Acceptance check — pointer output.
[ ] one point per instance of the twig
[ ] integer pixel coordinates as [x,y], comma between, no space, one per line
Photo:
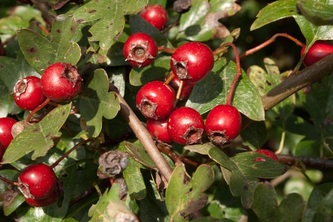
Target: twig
[145,138]
[299,80]
[269,41]
[310,162]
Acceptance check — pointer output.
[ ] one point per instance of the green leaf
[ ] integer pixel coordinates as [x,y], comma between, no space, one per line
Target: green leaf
[138,24]
[60,46]
[184,195]
[267,80]
[319,13]
[319,204]
[12,70]
[110,207]
[97,102]
[275,11]
[156,71]
[107,20]
[134,180]
[38,138]
[252,169]
[214,89]
[265,205]
[202,21]
[242,172]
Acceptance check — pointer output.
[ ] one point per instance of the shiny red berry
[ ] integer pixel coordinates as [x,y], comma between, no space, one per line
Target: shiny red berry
[156,100]
[140,49]
[2,151]
[37,181]
[267,153]
[156,15]
[28,93]
[61,82]
[185,126]
[159,130]
[192,61]
[223,124]
[43,202]
[317,51]
[6,124]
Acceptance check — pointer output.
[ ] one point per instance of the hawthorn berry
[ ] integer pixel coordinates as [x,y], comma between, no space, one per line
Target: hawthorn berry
[6,124]
[61,82]
[223,123]
[156,100]
[43,202]
[159,130]
[185,126]
[140,49]
[156,15]
[37,181]
[317,51]
[28,93]
[2,151]
[267,153]
[192,61]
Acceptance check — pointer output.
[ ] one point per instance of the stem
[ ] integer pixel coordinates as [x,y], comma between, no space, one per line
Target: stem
[175,157]
[145,138]
[37,109]
[311,162]
[297,81]
[238,72]
[68,152]
[8,181]
[270,41]
[166,50]
[283,136]
[169,78]
[179,90]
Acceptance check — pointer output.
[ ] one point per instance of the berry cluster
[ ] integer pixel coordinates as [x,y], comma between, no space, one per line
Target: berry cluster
[167,120]
[60,82]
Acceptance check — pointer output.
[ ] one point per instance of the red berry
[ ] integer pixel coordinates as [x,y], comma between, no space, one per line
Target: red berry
[37,181]
[159,130]
[267,153]
[28,93]
[43,202]
[61,82]
[6,124]
[140,49]
[192,61]
[186,88]
[223,124]
[2,151]
[317,51]
[156,15]
[185,126]
[156,100]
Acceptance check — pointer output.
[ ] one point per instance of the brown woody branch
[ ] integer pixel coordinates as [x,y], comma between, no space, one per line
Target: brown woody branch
[297,81]
[308,162]
[145,138]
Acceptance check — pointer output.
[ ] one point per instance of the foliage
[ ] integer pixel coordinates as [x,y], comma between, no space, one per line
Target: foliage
[207,182]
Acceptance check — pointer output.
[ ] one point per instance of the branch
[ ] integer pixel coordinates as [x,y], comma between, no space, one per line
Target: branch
[311,162]
[145,138]
[298,81]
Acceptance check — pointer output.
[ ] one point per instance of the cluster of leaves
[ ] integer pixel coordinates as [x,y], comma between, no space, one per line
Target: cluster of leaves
[228,185]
